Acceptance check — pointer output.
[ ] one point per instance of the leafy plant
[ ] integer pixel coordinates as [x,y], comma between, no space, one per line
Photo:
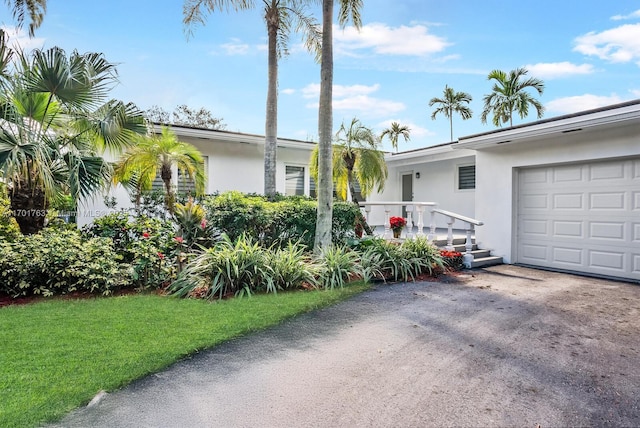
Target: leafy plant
[291,268]
[227,268]
[193,226]
[336,266]
[60,262]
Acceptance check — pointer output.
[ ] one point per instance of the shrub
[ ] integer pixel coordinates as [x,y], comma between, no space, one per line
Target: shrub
[227,268]
[277,220]
[387,260]
[451,259]
[336,266]
[9,229]
[59,262]
[291,268]
[148,244]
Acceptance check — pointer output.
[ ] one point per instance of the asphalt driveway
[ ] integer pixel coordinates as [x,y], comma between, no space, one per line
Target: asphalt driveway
[502,346]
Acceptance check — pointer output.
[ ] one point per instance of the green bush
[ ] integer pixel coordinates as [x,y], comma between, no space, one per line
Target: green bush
[385,260]
[279,220]
[241,268]
[59,262]
[336,266]
[149,244]
[9,230]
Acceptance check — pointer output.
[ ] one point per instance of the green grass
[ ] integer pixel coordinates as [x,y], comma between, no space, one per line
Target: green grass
[56,355]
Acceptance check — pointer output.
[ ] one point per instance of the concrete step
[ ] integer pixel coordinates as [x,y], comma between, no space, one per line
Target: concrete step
[479,254]
[457,242]
[486,261]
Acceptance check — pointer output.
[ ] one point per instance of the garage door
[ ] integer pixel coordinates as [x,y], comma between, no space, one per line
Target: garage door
[581,217]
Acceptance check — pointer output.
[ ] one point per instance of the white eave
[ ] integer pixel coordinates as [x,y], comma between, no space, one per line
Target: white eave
[425,155]
[609,116]
[233,137]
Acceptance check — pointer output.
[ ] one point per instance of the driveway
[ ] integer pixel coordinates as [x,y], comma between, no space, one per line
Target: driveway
[501,346]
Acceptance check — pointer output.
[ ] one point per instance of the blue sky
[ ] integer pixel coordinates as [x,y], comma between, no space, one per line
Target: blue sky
[587,53]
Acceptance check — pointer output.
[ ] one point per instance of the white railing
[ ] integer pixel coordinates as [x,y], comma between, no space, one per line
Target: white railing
[420,208]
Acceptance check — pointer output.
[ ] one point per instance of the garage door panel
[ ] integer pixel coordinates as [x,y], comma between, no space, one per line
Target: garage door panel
[607,201]
[568,256]
[568,201]
[581,217]
[571,173]
[610,260]
[607,230]
[606,171]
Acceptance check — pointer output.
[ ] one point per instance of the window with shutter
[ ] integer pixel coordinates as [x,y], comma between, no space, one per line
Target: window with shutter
[467,177]
[187,185]
[294,184]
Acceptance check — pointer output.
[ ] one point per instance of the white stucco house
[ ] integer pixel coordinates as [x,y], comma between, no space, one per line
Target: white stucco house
[560,193]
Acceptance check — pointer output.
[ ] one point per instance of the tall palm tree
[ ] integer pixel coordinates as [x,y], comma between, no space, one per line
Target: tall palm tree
[452,102]
[281,16]
[356,157]
[509,95]
[140,164]
[349,10]
[55,123]
[34,9]
[394,132]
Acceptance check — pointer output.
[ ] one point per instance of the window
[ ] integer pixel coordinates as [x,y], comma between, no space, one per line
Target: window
[187,185]
[294,184]
[467,177]
[312,188]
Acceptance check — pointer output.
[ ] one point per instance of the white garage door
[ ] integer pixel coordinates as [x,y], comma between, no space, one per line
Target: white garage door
[581,217]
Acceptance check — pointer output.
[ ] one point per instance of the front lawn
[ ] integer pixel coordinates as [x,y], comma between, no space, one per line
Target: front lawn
[56,355]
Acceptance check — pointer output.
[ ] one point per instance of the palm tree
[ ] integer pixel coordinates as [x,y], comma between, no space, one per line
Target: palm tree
[452,102]
[509,95]
[55,123]
[140,164]
[355,158]
[349,10]
[280,16]
[394,132]
[34,9]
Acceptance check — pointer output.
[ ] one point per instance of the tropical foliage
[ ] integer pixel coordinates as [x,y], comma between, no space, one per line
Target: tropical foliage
[55,122]
[159,153]
[32,9]
[356,157]
[452,102]
[509,95]
[394,132]
[281,17]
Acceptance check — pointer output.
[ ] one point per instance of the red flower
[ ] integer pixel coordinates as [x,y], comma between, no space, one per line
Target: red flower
[160,256]
[178,239]
[203,223]
[146,235]
[397,223]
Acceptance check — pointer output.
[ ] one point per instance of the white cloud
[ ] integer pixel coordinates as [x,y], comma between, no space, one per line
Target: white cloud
[635,92]
[19,39]
[581,103]
[620,44]
[288,91]
[355,98]
[632,15]
[553,70]
[384,40]
[235,47]
[339,91]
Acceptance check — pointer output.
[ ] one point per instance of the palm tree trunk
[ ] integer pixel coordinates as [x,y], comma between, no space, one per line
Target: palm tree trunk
[451,126]
[325,131]
[271,122]
[169,198]
[29,208]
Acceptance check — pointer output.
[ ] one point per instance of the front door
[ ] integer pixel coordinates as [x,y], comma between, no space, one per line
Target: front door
[407,191]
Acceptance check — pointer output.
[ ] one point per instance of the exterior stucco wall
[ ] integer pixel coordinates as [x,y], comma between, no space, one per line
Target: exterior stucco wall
[497,167]
[437,183]
[230,166]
